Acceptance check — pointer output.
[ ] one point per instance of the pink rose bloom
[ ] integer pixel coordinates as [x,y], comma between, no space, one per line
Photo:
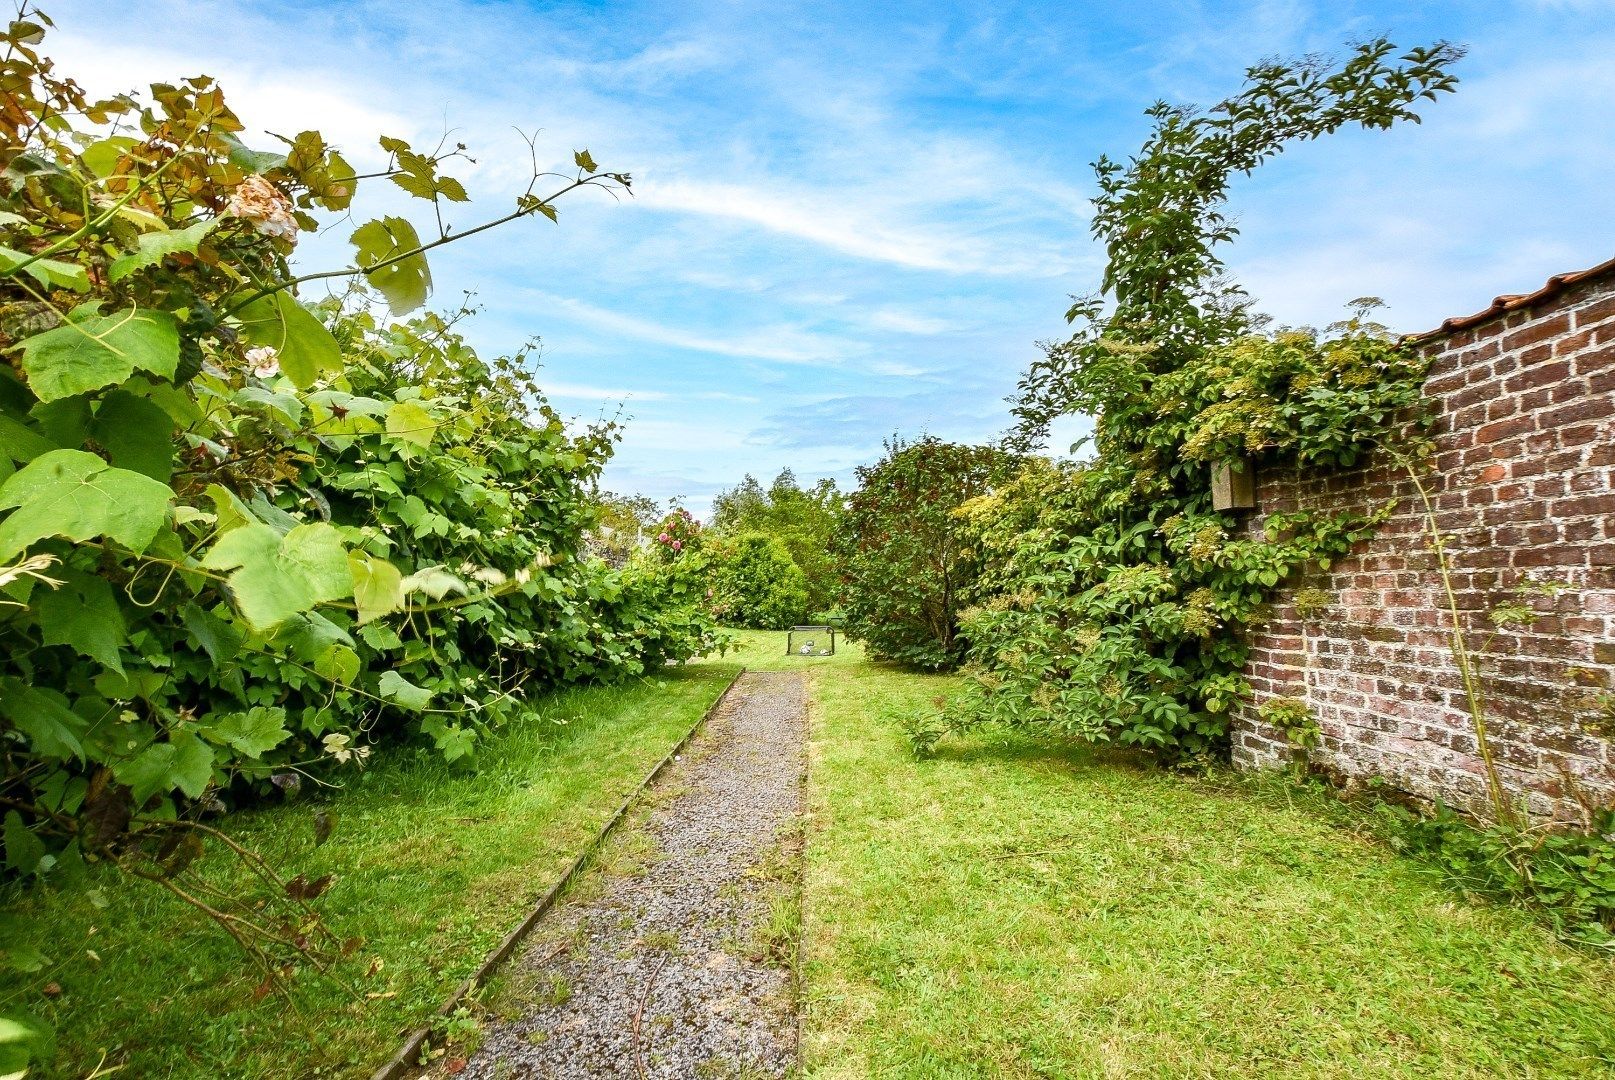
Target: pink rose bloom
[678,545]
[664,538]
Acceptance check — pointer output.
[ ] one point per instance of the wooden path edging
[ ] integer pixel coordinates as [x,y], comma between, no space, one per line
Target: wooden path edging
[408,1054]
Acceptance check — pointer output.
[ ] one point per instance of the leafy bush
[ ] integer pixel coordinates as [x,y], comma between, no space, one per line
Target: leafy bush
[622,525]
[242,539]
[1115,595]
[804,520]
[908,563]
[754,583]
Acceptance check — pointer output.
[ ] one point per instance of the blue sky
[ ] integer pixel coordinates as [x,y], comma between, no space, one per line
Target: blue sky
[857,221]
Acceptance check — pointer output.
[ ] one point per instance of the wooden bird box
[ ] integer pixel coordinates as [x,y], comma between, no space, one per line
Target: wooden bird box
[1233,486]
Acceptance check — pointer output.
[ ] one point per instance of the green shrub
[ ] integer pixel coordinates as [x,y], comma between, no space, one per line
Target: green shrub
[804,520]
[907,561]
[754,583]
[242,539]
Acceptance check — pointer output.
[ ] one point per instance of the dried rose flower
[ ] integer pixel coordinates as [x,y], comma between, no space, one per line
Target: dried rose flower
[266,206]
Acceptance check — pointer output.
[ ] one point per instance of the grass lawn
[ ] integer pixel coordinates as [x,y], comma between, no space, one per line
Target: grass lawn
[1012,909]
[434,865]
[1005,909]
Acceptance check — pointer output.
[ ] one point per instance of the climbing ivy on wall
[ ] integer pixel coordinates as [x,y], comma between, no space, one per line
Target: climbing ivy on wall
[1114,594]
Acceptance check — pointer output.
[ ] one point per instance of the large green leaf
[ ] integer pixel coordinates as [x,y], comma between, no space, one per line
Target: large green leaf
[340,664]
[378,586]
[21,443]
[52,728]
[252,733]
[150,772]
[409,422]
[51,273]
[394,687]
[301,342]
[275,577]
[137,432]
[406,281]
[152,247]
[24,850]
[193,763]
[76,495]
[103,156]
[248,159]
[218,638]
[91,351]
[83,614]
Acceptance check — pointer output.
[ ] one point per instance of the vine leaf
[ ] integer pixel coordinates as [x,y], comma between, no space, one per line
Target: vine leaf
[409,422]
[253,733]
[51,273]
[339,663]
[435,582]
[84,614]
[417,174]
[137,433]
[151,772]
[102,156]
[74,494]
[395,688]
[218,638]
[152,247]
[193,763]
[378,586]
[276,577]
[405,281]
[302,344]
[24,850]
[90,351]
[42,715]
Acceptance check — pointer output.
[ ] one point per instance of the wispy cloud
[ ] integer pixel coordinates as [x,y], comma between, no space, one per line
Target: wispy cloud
[899,321]
[819,217]
[783,343]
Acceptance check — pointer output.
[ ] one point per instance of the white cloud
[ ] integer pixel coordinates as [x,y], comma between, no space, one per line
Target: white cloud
[267,97]
[899,321]
[830,218]
[783,343]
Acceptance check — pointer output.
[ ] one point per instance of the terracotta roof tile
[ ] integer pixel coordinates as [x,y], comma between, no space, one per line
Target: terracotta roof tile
[1513,302]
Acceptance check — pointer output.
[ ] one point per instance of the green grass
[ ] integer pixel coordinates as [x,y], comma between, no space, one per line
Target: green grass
[434,865]
[1008,908]
[764,650]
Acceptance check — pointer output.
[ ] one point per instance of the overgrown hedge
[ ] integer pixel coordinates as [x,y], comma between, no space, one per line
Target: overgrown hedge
[243,539]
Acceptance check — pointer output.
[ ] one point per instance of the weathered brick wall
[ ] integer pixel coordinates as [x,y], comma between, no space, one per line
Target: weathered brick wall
[1524,481]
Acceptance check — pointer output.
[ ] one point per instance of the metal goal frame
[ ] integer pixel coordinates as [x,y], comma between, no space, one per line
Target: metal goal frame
[809,641]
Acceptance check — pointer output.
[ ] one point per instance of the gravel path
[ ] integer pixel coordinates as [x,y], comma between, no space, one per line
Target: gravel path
[669,959]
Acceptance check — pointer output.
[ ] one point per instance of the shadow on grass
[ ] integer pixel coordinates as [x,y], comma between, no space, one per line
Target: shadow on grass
[1011,747]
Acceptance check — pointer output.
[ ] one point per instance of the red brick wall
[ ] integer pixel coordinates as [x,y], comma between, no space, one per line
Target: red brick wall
[1524,482]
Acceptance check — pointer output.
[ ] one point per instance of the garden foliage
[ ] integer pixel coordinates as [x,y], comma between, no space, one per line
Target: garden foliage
[754,582]
[804,520]
[243,538]
[1114,594]
[908,563]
